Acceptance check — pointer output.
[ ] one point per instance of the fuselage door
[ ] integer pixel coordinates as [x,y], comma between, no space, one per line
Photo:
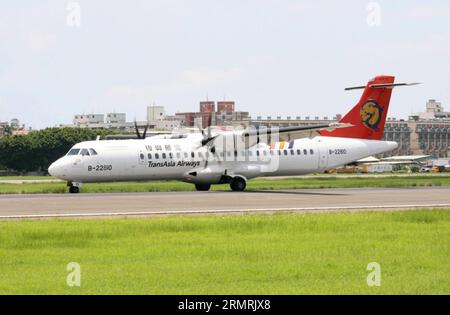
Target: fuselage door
[323,155]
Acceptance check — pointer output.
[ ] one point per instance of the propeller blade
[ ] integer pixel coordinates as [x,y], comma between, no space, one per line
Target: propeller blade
[138,134]
[216,156]
[145,132]
[208,140]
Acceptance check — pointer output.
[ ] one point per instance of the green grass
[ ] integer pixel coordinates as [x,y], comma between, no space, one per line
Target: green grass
[247,254]
[256,184]
[27,178]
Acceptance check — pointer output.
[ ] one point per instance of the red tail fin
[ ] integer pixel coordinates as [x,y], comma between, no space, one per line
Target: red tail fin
[369,114]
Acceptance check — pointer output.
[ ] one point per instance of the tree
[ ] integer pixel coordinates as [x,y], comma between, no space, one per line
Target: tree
[37,150]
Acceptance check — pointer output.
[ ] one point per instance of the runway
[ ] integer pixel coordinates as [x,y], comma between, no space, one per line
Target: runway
[166,203]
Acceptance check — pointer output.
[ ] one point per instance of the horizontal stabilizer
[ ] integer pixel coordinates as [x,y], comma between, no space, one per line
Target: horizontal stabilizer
[380,86]
[336,125]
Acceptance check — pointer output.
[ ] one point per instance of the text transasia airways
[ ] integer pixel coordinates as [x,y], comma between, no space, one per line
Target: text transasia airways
[174,164]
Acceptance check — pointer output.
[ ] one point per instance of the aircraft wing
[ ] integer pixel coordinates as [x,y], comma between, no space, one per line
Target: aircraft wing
[251,136]
[307,130]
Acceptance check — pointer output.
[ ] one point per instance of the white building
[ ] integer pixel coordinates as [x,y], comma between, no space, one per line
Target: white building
[155,113]
[434,110]
[167,124]
[14,123]
[116,118]
[91,119]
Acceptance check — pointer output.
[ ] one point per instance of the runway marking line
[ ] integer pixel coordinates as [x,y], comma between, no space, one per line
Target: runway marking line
[215,211]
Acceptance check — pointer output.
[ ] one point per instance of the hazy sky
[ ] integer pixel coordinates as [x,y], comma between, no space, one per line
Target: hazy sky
[272,57]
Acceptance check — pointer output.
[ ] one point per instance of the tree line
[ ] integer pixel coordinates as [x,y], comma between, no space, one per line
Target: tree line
[38,149]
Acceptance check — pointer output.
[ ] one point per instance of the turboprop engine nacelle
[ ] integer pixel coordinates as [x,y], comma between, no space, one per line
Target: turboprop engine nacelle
[209,175]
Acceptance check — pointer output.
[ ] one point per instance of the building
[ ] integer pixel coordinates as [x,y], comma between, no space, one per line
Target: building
[116,118]
[157,119]
[433,110]
[168,123]
[222,115]
[14,123]
[101,121]
[88,120]
[13,127]
[155,113]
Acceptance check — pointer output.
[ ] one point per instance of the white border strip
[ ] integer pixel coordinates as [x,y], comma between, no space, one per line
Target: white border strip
[209,211]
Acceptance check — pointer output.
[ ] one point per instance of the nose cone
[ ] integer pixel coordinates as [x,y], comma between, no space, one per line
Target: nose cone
[56,169]
[52,170]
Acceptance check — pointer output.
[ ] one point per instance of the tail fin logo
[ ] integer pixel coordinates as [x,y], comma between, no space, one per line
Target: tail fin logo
[371,115]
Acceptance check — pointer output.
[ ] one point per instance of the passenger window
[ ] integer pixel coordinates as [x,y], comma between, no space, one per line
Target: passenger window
[178,155]
[163,155]
[299,151]
[305,152]
[149,156]
[84,152]
[92,152]
[311,151]
[257,152]
[185,155]
[250,153]
[292,152]
[200,155]
[156,156]
[265,153]
[279,152]
[285,152]
[193,155]
[170,155]
[271,152]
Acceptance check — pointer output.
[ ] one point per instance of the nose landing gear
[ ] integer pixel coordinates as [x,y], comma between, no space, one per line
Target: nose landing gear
[74,188]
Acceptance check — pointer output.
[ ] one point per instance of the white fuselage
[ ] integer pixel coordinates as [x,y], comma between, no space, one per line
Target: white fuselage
[182,158]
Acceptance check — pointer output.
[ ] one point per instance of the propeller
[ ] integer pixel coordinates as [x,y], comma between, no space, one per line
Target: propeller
[208,141]
[138,134]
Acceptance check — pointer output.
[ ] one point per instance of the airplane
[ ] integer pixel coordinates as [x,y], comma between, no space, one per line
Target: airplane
[215,156]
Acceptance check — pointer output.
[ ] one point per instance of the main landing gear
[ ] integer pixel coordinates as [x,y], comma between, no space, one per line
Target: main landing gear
[238,184]
[74,188]
[202,187]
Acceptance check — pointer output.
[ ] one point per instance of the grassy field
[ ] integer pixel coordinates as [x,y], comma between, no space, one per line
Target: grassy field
[255,254]
[256,184]
[27,178]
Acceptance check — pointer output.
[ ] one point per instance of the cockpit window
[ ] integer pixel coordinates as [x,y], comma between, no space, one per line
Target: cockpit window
[84,152]
[92,152]
[73,152]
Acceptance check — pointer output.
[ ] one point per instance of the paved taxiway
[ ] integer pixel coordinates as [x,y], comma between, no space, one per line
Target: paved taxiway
[110,204]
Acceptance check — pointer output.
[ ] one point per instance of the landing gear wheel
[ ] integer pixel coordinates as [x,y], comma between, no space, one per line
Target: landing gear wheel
[202,187]
[74,189]
[238,184]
